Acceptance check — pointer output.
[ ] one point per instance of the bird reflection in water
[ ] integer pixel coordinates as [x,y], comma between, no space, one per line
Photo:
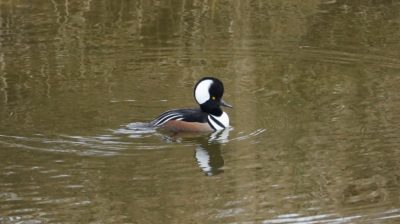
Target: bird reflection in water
[207,145]
[208,149]
[210,159]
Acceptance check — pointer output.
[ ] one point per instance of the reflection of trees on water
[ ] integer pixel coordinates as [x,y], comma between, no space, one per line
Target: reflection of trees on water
[61,40]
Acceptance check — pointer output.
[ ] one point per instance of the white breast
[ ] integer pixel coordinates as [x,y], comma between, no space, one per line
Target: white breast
[223,121]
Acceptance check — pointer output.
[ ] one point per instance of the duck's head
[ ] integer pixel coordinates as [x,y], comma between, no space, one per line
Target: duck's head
[208,93]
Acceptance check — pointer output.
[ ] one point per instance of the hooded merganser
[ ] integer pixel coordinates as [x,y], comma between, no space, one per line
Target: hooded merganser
[209,117]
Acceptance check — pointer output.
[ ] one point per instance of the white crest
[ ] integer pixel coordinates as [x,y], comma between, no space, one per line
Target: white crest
[201,92]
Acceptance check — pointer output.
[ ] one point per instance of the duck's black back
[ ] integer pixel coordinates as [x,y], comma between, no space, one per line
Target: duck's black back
[189,115]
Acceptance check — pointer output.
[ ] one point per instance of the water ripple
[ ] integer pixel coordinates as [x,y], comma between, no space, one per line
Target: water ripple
[85,146]
[124,140]
[334,218]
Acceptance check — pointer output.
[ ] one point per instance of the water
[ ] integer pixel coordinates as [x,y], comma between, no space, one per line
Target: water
[315,125]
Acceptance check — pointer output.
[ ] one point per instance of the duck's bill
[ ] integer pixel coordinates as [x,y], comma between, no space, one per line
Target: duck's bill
[225,104]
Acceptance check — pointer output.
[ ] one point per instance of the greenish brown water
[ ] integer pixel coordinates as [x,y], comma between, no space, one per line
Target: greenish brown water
[315,127]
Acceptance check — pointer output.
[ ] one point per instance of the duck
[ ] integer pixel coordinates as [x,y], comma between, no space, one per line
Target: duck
[208,117]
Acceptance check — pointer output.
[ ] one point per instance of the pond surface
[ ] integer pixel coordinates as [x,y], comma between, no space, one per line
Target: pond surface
[315,130]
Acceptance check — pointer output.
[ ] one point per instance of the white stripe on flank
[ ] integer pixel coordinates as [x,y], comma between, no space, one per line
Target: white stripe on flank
[164,116]
[166,119]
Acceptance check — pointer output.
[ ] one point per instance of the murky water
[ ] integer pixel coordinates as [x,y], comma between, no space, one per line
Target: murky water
[315,130]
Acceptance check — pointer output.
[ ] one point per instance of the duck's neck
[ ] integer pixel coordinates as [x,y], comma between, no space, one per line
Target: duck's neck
[216,111]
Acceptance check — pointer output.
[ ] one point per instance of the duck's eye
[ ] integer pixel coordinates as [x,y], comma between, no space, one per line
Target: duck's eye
[213,97]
